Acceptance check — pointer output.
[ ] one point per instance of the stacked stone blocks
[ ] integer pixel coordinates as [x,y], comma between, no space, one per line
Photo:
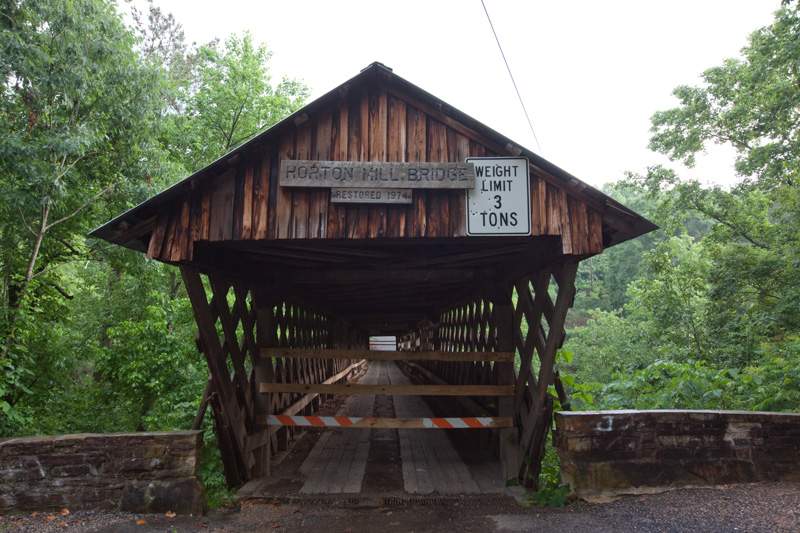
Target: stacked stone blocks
[138,472]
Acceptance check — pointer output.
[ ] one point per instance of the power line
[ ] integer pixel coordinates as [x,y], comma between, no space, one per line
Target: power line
[512,77]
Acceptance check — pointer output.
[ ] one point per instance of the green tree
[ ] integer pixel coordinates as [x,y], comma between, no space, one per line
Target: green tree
[77,110]
[753,105]
[717,302]
[749,103]
[231,99]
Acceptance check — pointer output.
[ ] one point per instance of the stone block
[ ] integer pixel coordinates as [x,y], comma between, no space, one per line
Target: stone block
[95,471]
[630,450]
[51,460]
[21,474]
[186,496]
[73,471]
[25,446]
[140,465]
[579,445]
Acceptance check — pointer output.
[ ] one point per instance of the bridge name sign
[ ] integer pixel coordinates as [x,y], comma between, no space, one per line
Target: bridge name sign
[376,175]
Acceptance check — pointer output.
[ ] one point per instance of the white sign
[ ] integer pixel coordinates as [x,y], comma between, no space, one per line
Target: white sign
[500,202]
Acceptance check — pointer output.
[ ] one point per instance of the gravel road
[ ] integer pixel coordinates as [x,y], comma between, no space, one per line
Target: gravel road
[760,507]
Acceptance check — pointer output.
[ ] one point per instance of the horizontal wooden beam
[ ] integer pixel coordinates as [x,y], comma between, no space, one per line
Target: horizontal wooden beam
[403,390]
[469,404]
[382,276]
[396,423]
[259,439]
[378,355]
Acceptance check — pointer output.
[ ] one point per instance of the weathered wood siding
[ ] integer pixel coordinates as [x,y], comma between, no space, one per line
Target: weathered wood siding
[244,202]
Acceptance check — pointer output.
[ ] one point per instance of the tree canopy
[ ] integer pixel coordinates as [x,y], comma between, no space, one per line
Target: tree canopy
[96,117]
[715,307]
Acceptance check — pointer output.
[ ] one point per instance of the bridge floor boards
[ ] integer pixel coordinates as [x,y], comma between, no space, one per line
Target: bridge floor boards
[337,462]
[430,462]
[355,461]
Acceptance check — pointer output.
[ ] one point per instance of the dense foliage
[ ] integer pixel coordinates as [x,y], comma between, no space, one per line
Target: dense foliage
[710,316]
[97,116]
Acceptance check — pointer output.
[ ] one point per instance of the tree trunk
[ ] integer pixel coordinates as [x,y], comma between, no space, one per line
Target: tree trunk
[23,291]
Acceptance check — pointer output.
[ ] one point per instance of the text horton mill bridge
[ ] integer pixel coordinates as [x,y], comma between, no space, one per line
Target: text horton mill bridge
[378,210]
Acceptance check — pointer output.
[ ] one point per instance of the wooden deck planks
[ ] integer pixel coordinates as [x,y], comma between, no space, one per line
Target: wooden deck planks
[430,463]
[337,463]
[436,465]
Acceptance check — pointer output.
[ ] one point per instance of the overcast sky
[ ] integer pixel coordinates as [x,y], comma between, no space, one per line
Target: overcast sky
[590,73]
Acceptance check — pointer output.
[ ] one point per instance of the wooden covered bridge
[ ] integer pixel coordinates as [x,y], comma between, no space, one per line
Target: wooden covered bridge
[378,210]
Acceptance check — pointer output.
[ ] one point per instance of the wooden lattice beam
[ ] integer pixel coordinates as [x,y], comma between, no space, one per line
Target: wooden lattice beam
[536,423]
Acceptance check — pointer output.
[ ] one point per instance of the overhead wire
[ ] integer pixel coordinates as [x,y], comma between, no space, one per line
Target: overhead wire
[512,77]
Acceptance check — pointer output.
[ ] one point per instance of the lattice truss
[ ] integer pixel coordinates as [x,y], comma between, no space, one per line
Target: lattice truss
[235,324]
[526,317]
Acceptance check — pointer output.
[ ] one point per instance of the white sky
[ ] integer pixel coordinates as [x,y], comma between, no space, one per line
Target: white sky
[590,73]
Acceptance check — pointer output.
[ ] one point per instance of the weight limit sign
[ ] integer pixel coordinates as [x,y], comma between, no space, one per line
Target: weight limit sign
[500,202]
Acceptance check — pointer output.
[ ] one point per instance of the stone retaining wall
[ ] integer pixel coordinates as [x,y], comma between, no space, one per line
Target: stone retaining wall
[138,472]
[607,453]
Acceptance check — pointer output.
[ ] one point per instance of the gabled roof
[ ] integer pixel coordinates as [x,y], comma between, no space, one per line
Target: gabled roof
[619,223]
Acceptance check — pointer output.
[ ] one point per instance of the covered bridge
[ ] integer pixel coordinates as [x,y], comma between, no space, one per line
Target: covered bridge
[378,210]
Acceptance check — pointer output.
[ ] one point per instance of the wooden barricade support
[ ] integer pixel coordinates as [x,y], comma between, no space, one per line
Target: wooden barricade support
[287,418]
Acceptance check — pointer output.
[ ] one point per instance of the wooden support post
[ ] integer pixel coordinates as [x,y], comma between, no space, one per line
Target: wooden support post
[503,315]
[537,423]
[229,418]
[263,371]
[201,411]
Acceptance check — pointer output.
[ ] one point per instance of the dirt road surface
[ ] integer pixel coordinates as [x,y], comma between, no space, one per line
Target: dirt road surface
[761,507]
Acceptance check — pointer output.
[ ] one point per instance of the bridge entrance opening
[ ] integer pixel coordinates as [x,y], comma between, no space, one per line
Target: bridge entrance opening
[361,222]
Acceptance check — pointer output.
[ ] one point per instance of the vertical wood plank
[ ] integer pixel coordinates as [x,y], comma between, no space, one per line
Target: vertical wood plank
[577,217]
[195,216]
[318,210]
[260,197]
[554,211]
[378,108]
[283,197]
[358,215]
[337,213]
[247,200]
[238,202]
[595,231]
[221,218]
[157,237]
[205,216]
[536,226]
[272,201]
[417,152]
[438,208]
[179,252]
[169,236]
[451,227]
[566,231]
[584,228]
[543,219]
[396,152]
[301,196]
[458,205]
